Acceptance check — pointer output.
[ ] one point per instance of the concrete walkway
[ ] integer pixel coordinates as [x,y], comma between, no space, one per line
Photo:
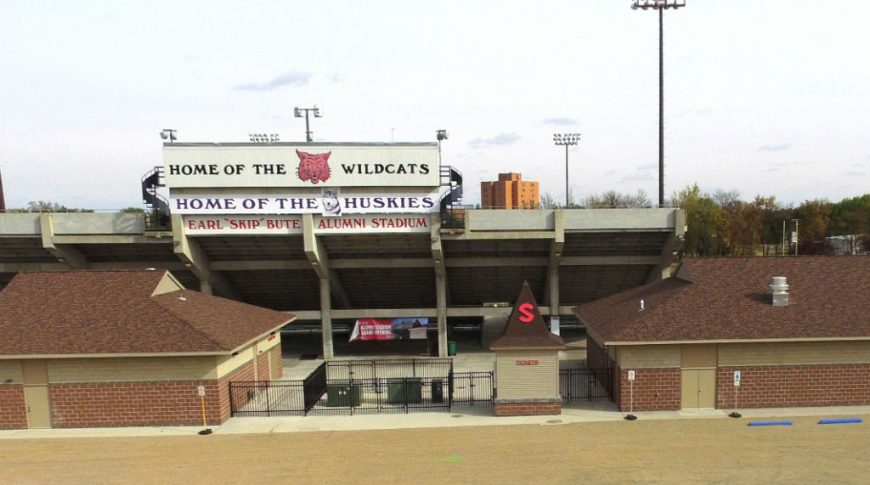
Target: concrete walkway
[459,416]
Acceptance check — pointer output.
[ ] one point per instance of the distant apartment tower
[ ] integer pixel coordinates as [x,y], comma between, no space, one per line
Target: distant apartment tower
[510,191]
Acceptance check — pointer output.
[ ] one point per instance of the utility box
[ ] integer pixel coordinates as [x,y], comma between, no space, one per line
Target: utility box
[343,395]
[401,391]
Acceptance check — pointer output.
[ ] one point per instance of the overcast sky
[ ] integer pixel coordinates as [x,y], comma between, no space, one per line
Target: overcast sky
[763,97]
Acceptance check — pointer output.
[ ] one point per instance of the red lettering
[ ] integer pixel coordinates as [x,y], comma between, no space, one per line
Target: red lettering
[526,312]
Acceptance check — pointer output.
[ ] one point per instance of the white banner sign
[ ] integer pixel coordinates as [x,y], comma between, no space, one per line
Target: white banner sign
[331,202]
[301,165]
[292,225]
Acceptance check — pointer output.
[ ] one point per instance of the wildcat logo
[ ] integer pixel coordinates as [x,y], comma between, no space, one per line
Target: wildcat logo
[313,167]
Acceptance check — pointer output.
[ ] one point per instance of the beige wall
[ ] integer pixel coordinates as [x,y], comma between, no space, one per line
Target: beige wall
[794,353]
[131,369]
[527,381]
[228,364]
[648,356]
[10,370]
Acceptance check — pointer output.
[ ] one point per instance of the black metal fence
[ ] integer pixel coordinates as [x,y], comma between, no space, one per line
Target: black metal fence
[583,385]
[471,388]
[365,386]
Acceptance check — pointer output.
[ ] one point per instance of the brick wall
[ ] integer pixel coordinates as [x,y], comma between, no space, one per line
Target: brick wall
[531,407]
[263,366]
[155,403]
[795,385]
[12,409]
[654,389]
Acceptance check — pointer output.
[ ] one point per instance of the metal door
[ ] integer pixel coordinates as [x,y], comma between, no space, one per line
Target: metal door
[36,393]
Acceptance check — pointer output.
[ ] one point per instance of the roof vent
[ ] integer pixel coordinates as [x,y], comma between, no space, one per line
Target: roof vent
[780,291]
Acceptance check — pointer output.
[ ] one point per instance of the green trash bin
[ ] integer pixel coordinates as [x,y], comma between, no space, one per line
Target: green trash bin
[401,391]
[451,347]
[343,395]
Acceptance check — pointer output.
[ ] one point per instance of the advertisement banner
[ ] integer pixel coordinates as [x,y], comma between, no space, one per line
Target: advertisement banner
[389,329]
[330,202]
[301,165]
[292,225]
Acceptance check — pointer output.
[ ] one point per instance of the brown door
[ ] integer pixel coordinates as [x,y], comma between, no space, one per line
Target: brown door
[699,388]
[36,393]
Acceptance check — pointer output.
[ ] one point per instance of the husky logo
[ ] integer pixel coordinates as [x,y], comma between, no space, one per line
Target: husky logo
[313,167]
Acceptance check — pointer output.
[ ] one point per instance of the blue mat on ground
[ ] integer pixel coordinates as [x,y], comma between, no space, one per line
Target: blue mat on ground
[841,421]
[770,423]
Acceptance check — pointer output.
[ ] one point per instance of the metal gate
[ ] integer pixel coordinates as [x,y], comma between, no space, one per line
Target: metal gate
[471,388]
[583,385]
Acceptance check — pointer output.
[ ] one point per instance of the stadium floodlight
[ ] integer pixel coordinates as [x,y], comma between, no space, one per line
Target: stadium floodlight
[168,134]
[441,135]
[263,137]
[297,112]
[661,6]
[566,139]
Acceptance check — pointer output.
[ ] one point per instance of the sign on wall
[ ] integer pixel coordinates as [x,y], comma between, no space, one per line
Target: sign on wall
[389,329]
[223,225]
[303,165]
[330,202]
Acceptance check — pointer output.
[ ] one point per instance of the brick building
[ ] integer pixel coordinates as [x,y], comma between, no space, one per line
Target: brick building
[125,348]
[807,344]
[510,191]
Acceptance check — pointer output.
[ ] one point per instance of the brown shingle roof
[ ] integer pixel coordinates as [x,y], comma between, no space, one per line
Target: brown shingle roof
[113,312]
[729,299]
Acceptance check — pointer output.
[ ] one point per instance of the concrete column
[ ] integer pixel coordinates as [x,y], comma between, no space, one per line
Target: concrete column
[441,312]
[205,287]
[326,318]
[554,300]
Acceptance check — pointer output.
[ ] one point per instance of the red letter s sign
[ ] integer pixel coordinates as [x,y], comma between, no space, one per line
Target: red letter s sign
[526,315]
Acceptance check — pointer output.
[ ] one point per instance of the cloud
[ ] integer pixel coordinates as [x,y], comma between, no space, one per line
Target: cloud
[772,169]
[642,173]
[338,77]
[289,78]
[560,121]
[856,173]
[774,148]
[500,139]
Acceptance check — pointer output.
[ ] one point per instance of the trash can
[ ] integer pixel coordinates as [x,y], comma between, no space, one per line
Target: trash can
[342,395]
[437,391]
[401,391]
[451,347]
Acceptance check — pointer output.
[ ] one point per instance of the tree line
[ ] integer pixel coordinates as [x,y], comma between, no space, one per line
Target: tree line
[722,224]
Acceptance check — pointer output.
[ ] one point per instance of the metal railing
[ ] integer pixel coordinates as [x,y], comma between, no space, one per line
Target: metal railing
[376,387]
[584,385]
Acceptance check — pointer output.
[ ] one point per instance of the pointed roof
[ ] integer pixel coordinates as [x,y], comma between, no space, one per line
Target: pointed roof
[526,328]
[123,312]
[729,299]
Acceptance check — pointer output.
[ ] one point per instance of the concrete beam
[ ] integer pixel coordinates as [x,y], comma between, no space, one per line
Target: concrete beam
[193,258]
[109,239]
[437,249]
[609,260]
[551,289]
[64,253]
[267,265]
[418,312]
[672,244]
[314,250]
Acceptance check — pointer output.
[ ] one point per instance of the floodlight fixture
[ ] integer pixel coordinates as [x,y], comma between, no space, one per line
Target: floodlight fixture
[298,112]
[168,134]
[441,135]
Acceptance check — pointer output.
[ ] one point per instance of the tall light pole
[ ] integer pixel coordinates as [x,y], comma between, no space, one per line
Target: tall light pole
[169,134]
[297,112]
[661,6]
[566,139]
